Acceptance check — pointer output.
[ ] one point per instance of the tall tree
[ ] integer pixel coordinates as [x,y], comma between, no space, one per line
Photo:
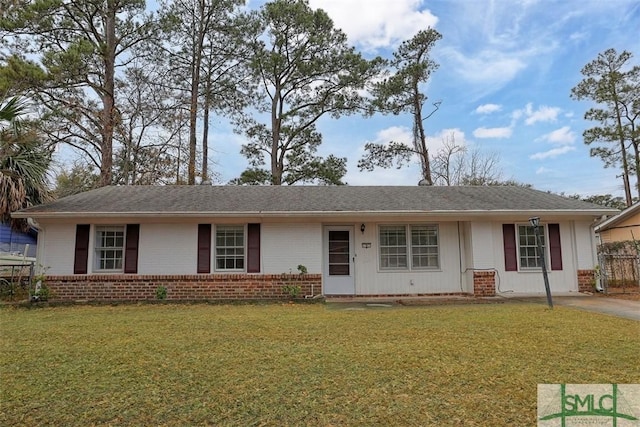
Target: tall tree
[81,44]
[24,163]
[301,69]
[79,178]
[615,88]
[607,200]
[147,149]
[454,164]
[204,44]
[402,92]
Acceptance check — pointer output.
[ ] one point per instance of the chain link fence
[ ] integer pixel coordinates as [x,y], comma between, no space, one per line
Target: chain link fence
[619,273]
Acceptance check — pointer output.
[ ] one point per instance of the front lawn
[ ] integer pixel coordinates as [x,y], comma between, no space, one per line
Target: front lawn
[289,364]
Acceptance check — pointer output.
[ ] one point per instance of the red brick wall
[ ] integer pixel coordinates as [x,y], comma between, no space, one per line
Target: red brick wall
[586,279]
[133,287]
[484,283]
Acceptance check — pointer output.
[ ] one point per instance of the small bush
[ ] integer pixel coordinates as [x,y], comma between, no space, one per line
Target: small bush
[292,290]
[161,292]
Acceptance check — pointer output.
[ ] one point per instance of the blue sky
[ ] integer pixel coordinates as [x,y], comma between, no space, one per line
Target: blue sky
[506,71]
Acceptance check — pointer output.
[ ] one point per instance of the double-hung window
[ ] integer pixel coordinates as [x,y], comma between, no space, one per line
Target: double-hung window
[528,247]
[109,248]
[424,246]
[393,247]
[412,247]
[230,247]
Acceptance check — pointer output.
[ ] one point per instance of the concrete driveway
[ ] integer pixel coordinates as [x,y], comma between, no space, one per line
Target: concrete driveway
[613,306]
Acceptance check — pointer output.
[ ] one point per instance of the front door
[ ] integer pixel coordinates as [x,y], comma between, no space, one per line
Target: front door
[339,276]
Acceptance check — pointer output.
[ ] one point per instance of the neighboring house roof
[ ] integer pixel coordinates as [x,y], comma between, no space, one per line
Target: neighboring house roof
[613,221]
[194,200]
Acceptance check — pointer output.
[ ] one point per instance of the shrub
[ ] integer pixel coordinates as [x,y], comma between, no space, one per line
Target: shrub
[161,292]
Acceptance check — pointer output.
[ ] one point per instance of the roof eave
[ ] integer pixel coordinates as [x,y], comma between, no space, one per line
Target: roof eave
[303,214]
[618,218]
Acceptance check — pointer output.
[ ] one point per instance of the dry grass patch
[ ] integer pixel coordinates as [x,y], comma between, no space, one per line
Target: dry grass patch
[294,365]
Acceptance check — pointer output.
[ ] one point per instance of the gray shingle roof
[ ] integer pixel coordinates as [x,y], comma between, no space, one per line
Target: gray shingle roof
[308,199]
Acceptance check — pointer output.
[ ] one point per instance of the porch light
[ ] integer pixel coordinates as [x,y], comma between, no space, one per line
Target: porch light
[362,228]
[535,223]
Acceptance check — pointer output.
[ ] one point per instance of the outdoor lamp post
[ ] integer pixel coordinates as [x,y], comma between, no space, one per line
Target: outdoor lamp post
[535,223]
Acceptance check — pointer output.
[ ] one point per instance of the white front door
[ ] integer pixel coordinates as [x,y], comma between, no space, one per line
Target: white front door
[339,275]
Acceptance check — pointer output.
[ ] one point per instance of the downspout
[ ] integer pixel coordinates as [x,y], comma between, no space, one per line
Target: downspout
[595,259]
[460,278]
[33,223]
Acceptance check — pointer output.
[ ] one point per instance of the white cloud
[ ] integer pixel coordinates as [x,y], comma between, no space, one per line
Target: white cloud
[394,133]
[542,171]
[488,108]
[488,67]
[579,36]
[408,175]
[405,135]
[554,152]
[379,24]
[562,136]
[504,132]
[542,114]
[437,141]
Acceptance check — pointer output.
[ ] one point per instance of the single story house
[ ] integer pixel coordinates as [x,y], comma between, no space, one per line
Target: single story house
[621,227]
[233,242]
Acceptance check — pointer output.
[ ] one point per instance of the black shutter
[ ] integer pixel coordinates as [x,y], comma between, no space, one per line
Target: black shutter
[131,249]
[554,246]
[253,248]
[82,249]
[510,252]
[204,248]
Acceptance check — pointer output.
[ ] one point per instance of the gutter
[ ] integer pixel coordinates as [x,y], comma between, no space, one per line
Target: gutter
[307,214]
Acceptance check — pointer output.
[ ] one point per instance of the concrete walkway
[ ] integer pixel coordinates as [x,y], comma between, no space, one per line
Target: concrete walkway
[613,306]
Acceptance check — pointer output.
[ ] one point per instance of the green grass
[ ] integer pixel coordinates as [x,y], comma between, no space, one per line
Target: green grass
[275,365]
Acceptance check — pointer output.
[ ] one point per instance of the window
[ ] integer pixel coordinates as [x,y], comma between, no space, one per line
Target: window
[395,250]
[230,247]
[109,248]
[424,246]
[528,247]
[393,247]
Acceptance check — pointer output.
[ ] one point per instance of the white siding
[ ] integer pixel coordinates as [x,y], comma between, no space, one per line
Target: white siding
[467,256]
[585,246]
[56,248]
[370,280]
[285,246]
[532,282]
[168,249]
[171,248]
[484,245]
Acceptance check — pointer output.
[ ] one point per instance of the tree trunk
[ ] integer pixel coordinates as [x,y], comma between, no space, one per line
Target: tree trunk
[276,165]
[193,116]
[205,141]
[196,62]
[623,148]
[419,137]
[108,97]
